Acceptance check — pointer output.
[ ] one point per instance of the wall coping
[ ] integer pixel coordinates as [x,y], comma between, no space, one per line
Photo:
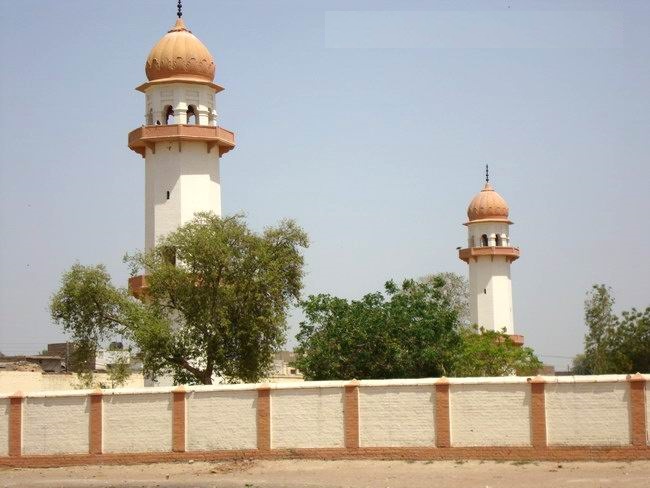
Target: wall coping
[340,384]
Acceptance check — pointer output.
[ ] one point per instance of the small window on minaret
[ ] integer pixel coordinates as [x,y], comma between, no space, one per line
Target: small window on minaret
[484,291]
[167,194]
[484,240]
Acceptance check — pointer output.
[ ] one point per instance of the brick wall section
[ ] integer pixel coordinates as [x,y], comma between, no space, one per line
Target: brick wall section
[145,426]
[95,439]
[397,416]
[443,424]
[16,425]
[219,420]
[264,418]
[351,415]
[178,420]
[538,413]
[588,413]
[638,410]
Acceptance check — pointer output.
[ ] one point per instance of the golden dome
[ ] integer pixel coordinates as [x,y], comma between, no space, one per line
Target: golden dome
[180,55]
[488,205]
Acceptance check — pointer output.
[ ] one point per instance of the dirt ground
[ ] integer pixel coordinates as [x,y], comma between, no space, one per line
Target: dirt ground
[338,474]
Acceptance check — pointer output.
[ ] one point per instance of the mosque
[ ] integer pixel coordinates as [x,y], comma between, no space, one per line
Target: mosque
[182,146]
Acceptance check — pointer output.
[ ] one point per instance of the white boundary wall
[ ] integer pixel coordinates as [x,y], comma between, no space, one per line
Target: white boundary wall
[588,414]
[397,416]
[57,425]
[137,422]
[588,411]
[307,417]
[221,420]
[490,415]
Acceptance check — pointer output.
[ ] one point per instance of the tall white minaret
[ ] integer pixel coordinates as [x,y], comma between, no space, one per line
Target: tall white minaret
[489,253]
[179,140]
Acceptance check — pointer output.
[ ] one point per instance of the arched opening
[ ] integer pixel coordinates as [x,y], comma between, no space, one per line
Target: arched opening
[150,117]
[169,115]
[192,118]
[484,240]
[210,117]
[498,240]
[471,241]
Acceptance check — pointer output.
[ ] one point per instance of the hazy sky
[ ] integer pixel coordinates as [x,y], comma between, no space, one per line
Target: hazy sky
[369,122]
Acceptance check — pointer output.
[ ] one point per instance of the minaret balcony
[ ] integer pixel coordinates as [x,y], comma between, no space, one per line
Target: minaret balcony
[148,135]
[510,253]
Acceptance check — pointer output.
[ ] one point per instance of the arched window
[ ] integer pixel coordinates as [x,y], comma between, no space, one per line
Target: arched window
[169,115]
[484,240]
[498,240]
[150,117]
[192,118]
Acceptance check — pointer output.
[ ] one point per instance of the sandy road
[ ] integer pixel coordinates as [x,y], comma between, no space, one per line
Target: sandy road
[338,474]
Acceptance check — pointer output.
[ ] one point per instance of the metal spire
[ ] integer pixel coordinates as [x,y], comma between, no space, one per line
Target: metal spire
[180,9]
[487,170]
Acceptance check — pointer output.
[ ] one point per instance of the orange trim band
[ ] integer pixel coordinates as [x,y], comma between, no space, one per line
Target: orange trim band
[538,413]
[510,253]
[16,425]
[148,135]
[178,420]
[351,415]
[95,423]
[637,410]
[264,418]
[442,419]
[569,453]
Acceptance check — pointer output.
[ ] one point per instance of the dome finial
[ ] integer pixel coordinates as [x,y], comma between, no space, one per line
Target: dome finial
[180,9]
[487,169]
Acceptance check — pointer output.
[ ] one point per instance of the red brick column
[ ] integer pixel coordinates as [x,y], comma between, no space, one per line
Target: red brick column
[178,419]
[95,423]
[16,424]
[637,409]
[351,415]
[537,412]
[264,418]
[443,421]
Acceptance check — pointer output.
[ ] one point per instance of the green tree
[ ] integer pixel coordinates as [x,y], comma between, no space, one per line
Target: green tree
[601,323]
[613,344]
[221,311]
[407,331]
[119,371]
[456,291]
[491,353]
[633,341]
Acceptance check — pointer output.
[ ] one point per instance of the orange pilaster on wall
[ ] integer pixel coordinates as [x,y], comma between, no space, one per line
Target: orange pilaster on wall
[351,415]
[443,427]
[638,410]
[538,412]
[96,427]
[16,424]
[264,418]
[178,419]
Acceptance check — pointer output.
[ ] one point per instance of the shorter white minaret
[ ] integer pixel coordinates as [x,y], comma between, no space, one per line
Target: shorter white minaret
[489,253]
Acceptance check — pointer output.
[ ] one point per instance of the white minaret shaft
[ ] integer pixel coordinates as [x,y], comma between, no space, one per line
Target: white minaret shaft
[489,254]
[180,140]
